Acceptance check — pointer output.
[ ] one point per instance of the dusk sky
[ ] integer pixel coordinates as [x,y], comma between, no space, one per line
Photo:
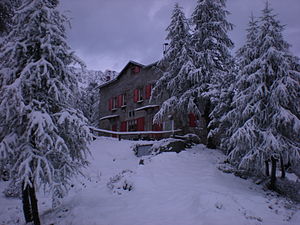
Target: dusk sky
[106,34]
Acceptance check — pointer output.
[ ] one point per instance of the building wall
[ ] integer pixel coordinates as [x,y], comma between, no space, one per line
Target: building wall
[126,83]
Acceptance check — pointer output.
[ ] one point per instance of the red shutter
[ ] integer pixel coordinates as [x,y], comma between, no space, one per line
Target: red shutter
[123,127]
[192,120]
[120,100]
[141,124]
[136,95]
[148,91]
[110,103]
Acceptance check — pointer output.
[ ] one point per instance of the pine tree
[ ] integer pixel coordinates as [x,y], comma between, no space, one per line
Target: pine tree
[176,66]
[265,116]
[41,133]
[90,103]
[214,64]
[246,60]
[7,8]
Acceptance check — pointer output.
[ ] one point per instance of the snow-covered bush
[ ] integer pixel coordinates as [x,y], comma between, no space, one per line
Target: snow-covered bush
[121,183]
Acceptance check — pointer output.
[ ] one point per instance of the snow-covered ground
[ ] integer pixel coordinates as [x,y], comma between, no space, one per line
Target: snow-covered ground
[169,189]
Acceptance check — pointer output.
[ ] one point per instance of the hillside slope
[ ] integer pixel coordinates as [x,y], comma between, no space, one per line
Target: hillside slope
[170,188]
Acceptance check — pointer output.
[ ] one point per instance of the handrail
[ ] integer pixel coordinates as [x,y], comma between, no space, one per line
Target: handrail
[134,132]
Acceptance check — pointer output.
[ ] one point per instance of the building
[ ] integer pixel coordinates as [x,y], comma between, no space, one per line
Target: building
[125,106]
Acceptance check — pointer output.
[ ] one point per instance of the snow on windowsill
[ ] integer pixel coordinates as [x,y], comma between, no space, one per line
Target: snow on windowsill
[146,107]
[109,117]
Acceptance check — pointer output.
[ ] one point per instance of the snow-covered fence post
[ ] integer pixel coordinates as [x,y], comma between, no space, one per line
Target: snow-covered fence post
[172,121]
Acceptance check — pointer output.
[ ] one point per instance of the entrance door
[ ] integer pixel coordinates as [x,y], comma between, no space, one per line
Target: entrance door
[123,127]
[141,124]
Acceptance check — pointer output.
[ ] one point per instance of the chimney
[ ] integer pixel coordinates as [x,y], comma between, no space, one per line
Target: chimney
[165,48]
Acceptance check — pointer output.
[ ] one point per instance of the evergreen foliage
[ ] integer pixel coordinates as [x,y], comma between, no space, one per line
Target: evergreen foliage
[176,67]
[90,100]
[214,64]
[265,119]
[7,8]
[41,134]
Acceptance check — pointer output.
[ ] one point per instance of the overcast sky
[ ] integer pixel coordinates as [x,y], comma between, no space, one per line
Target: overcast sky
[106,34]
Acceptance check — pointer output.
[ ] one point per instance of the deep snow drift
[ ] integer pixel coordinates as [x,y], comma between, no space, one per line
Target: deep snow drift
[170,188]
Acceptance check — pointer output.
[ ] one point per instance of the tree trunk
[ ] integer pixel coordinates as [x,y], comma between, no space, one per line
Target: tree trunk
[282,167]
[26,204]
[273,173]
[34,206]
[267,168]
[30,207]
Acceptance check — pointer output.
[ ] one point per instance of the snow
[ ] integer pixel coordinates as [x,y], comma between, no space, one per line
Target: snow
[109,117]
[146,107]
[170,188]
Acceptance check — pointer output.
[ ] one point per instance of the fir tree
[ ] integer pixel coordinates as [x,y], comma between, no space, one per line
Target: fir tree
[90,103]
[214,64]
[41,133]
[265,115]
[176,66]
[246,59]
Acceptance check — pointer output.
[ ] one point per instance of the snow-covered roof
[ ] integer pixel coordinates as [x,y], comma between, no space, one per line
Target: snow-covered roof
[109,117]
[125,67]
[146,107]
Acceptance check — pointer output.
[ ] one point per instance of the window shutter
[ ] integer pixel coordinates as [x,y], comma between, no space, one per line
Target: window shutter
[120,100]
[192,120]
[110,103]
[136,95]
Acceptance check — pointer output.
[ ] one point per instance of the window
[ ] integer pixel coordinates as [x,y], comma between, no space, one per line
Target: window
[131,113]
[135,69]
[140,96]
[132,125]
[115,103]
[137,95]
[124,100]
[148,90]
